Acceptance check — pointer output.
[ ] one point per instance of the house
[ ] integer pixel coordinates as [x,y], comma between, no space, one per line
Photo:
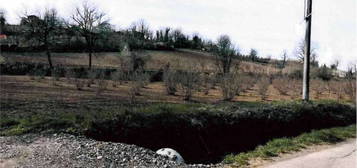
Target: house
[3,36]
[338,73]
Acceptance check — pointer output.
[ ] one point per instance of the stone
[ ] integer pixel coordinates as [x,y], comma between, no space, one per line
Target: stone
[172,154]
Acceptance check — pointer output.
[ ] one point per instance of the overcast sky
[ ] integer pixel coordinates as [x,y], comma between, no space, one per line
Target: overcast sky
[270,26]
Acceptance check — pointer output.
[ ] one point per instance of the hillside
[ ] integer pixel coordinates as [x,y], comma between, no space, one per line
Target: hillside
[180,58]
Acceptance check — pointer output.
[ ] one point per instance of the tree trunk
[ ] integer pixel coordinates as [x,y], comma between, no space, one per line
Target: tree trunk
[48,53]
[90,49]
[90,59]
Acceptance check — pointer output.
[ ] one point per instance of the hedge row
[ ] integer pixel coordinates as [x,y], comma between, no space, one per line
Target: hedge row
[40,69]
[206,134]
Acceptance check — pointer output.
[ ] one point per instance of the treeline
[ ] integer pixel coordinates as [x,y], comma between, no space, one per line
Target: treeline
[88,30]
[49,30]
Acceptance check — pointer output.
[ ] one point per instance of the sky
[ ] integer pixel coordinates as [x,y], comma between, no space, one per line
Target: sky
[270,26]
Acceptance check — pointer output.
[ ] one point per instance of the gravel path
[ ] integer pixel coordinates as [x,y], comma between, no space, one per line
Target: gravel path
[65,150]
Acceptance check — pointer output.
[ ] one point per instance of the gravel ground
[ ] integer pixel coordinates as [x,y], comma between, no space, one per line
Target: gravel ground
[65,150]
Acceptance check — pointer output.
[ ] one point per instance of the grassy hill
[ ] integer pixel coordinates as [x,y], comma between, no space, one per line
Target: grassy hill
[178,58]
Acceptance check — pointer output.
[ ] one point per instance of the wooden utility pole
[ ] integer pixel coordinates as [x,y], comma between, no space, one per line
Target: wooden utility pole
[306,78]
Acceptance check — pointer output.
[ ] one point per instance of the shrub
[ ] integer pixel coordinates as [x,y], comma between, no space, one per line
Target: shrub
[329,87]
[170,80]
[79,83]
[102,84]
[37,74]
[148,126]
[119,77]
[296,74]
[349,87]
[208,80]
[56,73]
[324,73]
[281,84]
[295,87]
[263,85]
[337,89]
[247,82]
[139,80]
[231,85]
[91,75]
[189,81]
[71,76]
[319,87]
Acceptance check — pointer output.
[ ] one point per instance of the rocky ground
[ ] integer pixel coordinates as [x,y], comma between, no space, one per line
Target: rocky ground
[65,150]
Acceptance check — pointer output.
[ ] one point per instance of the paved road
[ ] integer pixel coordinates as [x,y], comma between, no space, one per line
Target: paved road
[341,156]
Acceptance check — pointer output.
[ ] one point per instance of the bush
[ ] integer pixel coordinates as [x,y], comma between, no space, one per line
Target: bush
[119,77]
[91,75]
[319,87]
[349,87]
[263,85]
[139,79]
[189,81]
[190,129]
[297,74]
[248,81]
[281,84]
[170,80]
[56,73]
[335,87]
[72,77]
[209,81]
[37,74]
[324,73]
[231,85]
[102,84]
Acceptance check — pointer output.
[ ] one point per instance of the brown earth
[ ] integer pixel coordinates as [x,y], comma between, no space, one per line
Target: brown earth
[26,88]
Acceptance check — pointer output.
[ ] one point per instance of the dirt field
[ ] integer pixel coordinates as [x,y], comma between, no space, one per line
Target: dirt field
[24,88]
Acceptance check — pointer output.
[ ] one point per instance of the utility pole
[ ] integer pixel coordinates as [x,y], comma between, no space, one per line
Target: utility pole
[306,75]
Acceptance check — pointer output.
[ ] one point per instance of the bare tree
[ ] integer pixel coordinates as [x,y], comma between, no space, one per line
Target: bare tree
[43,28]
[300,53]
[189,81]
[170,79]
[231,84]
[90,21]
[263,85]
[142,27]
[133,59]
[2,20]
[224,54]
[284,59]
[335,64]
[253,54]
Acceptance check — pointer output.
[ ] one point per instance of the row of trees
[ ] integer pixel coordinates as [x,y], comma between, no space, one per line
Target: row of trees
[89,29]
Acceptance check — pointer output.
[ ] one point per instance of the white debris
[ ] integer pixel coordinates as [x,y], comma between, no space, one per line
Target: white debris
[172,154]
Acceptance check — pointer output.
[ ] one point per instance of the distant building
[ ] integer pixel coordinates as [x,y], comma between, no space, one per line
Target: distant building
[3,37]
[338,73]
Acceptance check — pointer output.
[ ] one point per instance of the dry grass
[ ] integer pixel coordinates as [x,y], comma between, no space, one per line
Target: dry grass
[158,59]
